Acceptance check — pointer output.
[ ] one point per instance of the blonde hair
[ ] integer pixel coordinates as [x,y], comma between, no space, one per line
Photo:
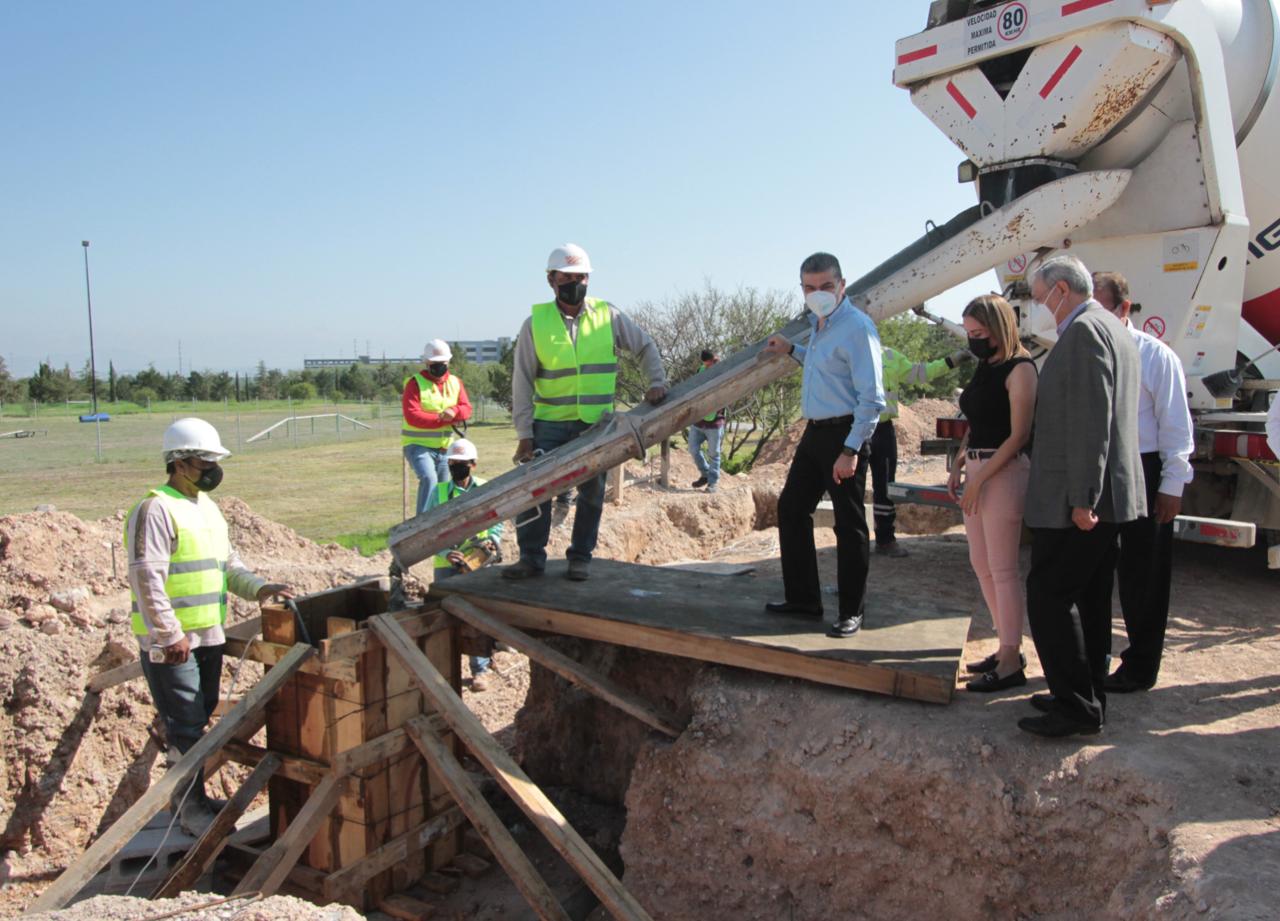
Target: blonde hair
[996,314]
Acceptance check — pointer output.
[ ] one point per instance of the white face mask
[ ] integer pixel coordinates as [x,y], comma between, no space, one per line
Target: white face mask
[821,302]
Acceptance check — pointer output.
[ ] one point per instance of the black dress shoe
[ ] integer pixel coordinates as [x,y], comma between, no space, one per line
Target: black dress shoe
[1120,683]
[846,628]
[990,681]
[1057,725]
[796,610]
[989,663]
[1045,703]
[698,483]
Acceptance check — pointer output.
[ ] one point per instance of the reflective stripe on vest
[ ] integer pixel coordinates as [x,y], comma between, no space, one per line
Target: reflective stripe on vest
[574,381]
[197,581]
[433,400]
[444,492]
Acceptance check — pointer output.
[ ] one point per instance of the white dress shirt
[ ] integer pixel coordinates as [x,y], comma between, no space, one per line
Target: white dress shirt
[1164,418]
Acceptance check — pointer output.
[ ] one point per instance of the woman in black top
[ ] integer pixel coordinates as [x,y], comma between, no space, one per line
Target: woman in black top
[999,403]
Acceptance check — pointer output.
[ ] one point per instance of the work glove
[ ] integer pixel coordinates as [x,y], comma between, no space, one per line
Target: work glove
[959,357]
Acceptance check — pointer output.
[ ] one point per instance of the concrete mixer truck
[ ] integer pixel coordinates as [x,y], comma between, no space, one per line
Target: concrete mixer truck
[1174,101]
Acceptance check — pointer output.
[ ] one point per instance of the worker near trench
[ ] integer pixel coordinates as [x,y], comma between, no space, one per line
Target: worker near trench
[433,402]
[1144,567]
[181,566]
[842,397]
[899,372]
[1085,483]
[708,433]
[474,552]
[564,380]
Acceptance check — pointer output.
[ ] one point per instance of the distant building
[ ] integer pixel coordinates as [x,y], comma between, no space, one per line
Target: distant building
[477,350]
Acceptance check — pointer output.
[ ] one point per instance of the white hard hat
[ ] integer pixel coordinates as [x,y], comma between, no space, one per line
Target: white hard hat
[193,436]
[461,450]
[436,350]
[570,258]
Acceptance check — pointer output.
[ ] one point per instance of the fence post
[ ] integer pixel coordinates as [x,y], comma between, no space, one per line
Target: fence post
[238,433]
[294,426]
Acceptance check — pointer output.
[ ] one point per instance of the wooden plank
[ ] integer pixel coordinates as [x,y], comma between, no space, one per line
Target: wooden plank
[471,865]
[393,852]
[308,879]
[405,907]
[905,648]
[486,823]
[246,732]
[197,860]
[291,767]
[574,672]
[531,800]
[272,868]
[417,622]
[99,854]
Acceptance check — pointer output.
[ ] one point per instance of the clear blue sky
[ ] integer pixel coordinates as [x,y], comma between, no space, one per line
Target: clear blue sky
[275,180]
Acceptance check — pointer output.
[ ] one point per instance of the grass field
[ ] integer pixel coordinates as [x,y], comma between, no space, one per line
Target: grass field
[326,484]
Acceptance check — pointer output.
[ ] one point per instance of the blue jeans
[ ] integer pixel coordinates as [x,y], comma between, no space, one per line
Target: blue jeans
[712,438]
[533,532]
[478,663]
[430,466]
[185,696]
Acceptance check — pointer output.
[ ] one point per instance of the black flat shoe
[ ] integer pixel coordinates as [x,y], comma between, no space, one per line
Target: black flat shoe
[1120,683]
[844,629]
[795,610]
[989,663]
[990,681]
[1045,703]
[1057,725]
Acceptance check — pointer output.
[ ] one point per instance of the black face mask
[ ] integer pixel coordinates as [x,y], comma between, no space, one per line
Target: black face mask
[572,293]
[437,369]
[459,472]
[209,479]
[982,349]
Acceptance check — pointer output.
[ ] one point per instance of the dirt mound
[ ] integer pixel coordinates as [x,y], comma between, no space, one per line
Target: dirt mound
[915,423]
[73,762]
[195,906]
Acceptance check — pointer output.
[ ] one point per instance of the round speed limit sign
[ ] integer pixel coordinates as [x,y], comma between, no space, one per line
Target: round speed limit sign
[1012,21]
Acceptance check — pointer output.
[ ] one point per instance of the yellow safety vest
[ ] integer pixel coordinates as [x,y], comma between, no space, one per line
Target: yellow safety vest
[899,371]
[574,381]
[446,491]
[434,400]
[197,582]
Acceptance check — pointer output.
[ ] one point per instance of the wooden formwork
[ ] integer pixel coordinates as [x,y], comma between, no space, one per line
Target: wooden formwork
[358,696]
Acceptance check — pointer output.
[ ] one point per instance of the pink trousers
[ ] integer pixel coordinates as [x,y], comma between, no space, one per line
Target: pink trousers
[995,532]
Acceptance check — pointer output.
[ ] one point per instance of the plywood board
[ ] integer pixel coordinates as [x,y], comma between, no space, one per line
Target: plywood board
[905,649]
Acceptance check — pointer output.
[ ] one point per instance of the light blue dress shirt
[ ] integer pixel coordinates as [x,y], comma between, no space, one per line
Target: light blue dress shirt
[843,373]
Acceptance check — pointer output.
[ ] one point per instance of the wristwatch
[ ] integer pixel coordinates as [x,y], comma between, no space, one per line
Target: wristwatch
[848,451]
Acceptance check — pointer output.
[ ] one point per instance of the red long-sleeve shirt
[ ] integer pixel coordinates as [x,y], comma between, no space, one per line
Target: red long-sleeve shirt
[415,415]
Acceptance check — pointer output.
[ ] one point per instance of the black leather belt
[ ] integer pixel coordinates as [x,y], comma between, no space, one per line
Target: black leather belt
[979,453]
[829,423]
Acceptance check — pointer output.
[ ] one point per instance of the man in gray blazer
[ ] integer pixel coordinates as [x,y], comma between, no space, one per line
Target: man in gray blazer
[1086,480]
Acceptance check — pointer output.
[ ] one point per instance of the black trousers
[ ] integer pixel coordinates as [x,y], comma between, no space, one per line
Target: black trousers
[1144,569]
[808,478]
[884,470]
[1071,568]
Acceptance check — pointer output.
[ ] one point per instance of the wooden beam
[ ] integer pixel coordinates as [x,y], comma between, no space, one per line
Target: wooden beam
[206,850]
[486,822]
[246,629]
[574,672]
[293,767]
[272,868]
[308,879]
[531,800]
[416,622]
[99,854]
[242,737]
[398,849]
[406,908]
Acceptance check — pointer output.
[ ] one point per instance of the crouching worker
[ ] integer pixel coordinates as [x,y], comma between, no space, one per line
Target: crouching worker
[181,565]
[474,552]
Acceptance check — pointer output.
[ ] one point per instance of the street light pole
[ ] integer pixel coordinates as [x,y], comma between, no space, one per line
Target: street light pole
[93,367]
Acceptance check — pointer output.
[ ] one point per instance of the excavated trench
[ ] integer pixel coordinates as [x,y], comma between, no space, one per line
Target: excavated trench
[784,799]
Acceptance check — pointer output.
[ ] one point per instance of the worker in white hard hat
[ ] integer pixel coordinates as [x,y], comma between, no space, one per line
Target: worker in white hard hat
[474,552]
[181,566]
[564,380]
[434,401]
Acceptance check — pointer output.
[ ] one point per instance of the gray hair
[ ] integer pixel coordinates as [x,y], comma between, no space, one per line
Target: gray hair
[1069,269]
[821,262]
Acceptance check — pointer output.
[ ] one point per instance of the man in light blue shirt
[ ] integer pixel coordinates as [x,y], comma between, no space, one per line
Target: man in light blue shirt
[842,396]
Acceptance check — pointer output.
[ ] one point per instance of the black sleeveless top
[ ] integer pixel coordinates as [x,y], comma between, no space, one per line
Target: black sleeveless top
[985,403]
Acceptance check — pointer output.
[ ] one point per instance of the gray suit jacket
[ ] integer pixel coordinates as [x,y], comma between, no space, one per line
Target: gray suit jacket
[1085,452]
